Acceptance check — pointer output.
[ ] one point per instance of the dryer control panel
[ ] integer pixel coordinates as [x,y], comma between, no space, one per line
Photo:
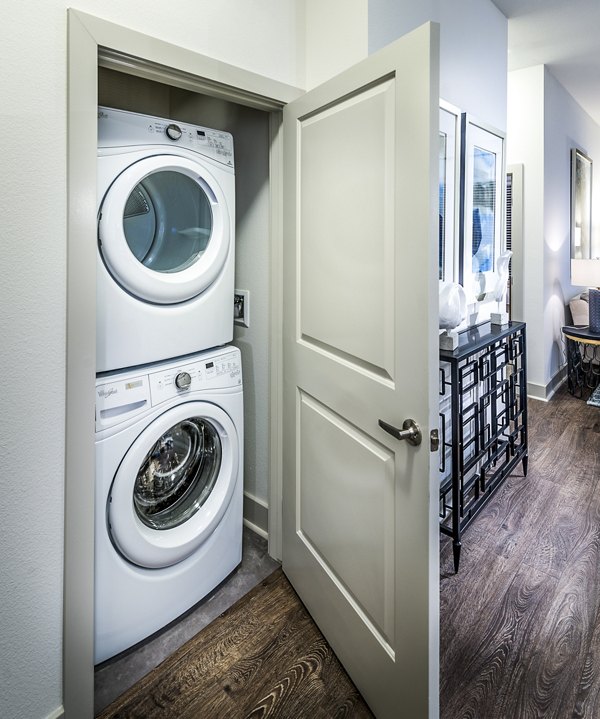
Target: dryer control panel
[117,128]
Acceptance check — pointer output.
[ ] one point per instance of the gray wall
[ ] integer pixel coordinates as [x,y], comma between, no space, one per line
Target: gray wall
[473,49]
[545,122]
[250,129]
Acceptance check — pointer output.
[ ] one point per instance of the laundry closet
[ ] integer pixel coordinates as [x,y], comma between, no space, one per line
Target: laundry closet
[330,189]
[251,131]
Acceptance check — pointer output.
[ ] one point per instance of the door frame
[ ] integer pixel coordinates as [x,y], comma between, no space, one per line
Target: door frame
[93,42]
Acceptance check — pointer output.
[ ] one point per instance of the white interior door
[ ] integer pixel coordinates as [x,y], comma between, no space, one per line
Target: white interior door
[360,526]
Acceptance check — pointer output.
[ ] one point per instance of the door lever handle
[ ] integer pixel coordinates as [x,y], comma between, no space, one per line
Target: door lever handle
[410,431]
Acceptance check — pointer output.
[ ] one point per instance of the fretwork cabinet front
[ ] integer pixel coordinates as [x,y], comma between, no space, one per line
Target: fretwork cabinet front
[483,421]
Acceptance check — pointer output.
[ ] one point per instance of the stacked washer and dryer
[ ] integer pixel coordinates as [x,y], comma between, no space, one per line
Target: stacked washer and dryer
[169,398]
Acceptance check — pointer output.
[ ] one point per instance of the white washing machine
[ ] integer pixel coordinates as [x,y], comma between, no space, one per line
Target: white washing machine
[166,218]
[169,491]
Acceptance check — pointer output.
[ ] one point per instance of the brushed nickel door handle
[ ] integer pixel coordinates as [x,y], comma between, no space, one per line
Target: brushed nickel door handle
[410,431]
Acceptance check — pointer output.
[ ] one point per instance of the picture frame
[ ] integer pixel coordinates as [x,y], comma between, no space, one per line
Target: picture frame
[482,207]
[448,190]
[581,205]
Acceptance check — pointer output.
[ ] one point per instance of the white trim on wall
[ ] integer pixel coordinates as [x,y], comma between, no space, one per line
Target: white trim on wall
[276,338]
[546,392]
[91,38]
[256,515]
[78,606]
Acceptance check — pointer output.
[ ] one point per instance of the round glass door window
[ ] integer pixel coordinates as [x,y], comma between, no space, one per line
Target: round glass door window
[163,229]
[178,474]
[167,221]
[174,485]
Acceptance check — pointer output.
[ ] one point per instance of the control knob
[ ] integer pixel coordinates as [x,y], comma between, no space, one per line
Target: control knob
[173,132]
[183,380]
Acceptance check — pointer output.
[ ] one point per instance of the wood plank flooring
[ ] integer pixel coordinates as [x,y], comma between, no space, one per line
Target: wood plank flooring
[263,658]
[520,623]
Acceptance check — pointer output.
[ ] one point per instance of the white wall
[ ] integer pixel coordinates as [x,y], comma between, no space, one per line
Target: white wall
[389,19]
[473,65]
[525,144]
[544,123]
[566,125]
[473,49]
[336,37]
[259,36]
[474,58]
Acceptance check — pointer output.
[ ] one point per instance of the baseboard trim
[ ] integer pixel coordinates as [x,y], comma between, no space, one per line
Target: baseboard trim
[57,713]
[545,392]
[256,515]
[256,530]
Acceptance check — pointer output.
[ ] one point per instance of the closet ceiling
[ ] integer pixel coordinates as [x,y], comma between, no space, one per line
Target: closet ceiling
[562,34]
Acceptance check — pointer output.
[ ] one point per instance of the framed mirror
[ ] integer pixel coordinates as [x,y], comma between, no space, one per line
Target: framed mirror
[581,205]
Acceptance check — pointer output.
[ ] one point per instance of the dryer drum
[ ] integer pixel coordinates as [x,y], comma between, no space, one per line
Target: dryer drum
[178,474]
[167,221]
[165,235]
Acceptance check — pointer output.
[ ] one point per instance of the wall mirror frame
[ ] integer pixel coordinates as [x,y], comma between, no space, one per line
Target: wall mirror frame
[482,207]
[581,205]
[448,191]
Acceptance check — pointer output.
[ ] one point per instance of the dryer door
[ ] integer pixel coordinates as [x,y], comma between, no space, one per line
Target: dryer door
[174,485]
[163,229]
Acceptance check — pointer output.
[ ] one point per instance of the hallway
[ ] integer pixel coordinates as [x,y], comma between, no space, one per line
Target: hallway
[520,623]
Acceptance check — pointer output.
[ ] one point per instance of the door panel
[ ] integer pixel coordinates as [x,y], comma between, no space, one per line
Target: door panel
[356,132]
[360,343]
[356,492]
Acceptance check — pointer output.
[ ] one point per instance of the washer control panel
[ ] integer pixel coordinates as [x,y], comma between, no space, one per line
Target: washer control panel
[122,396]
[212,372]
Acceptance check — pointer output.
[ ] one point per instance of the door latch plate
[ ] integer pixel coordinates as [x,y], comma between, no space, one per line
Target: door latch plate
[434,440]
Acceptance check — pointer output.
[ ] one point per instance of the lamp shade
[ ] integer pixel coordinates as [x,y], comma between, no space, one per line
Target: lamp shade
[585,273]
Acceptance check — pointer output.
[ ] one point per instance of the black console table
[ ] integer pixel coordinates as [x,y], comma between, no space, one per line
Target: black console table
[483,421]
[583,358]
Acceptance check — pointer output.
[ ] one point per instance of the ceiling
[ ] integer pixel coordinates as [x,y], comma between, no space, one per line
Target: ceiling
[562,34]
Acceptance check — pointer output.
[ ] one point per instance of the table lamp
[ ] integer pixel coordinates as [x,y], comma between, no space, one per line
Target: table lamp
[587,273]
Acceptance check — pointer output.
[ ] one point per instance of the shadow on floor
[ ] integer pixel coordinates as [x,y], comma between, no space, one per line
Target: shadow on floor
[118,674]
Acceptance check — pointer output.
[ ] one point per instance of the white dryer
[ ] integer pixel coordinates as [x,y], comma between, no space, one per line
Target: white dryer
[169,490]
[166,218]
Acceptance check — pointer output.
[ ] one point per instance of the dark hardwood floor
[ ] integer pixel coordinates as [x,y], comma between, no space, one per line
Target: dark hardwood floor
[263,658]
[520,623]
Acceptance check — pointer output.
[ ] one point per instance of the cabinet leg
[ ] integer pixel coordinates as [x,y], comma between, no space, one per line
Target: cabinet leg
[456,546]
[525,463]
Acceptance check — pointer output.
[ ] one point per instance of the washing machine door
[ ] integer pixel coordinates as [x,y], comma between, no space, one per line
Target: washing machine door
[174,485]
[163,229]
